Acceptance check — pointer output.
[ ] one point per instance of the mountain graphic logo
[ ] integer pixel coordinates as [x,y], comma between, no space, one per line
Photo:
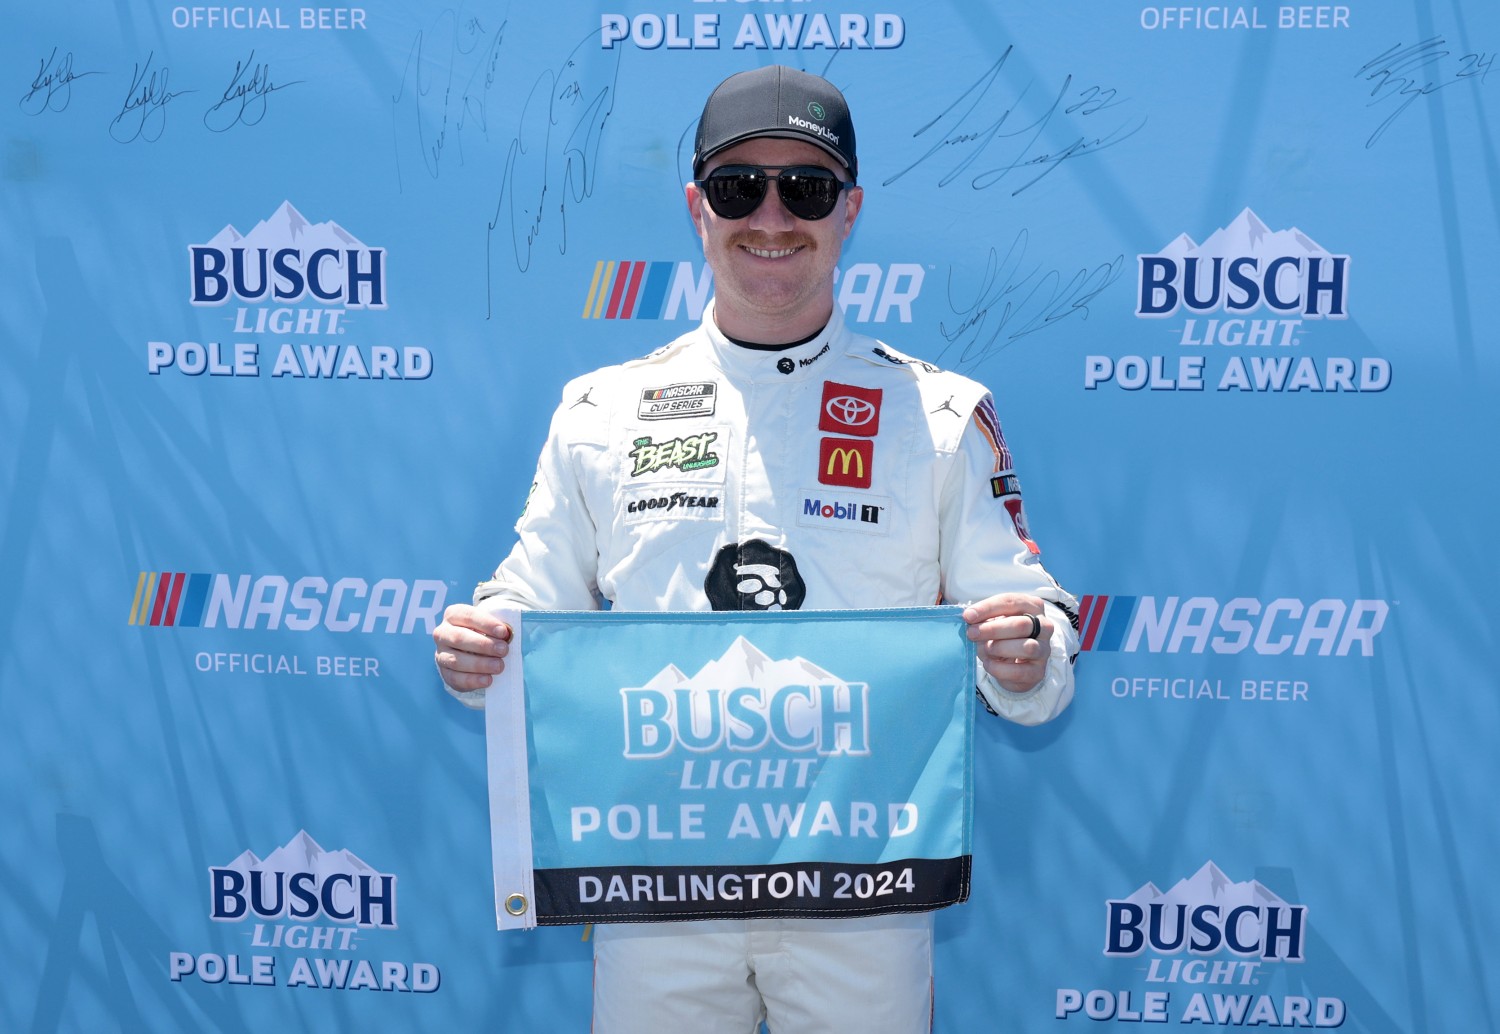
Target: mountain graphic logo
[1243,267]
[746,700]
[287,259]
[1206,913]
[287,228]
[300,880]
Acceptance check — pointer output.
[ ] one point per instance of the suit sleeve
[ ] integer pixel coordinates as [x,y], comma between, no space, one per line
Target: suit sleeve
[554,562]
[987,548]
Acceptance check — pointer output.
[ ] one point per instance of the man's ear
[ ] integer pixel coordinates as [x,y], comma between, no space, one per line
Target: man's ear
[854,198]
[694,198]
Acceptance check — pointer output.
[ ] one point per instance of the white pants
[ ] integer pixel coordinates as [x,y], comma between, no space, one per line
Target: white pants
[870,975]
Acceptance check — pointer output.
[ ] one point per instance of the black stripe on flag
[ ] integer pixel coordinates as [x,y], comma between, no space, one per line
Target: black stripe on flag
[661,893]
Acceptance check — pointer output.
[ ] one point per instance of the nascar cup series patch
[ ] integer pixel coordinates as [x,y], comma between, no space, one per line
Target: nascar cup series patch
[750,764]
[678,400]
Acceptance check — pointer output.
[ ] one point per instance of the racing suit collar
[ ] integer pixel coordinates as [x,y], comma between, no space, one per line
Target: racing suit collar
[787,364]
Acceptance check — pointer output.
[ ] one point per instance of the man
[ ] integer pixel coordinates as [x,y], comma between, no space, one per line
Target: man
[698,477]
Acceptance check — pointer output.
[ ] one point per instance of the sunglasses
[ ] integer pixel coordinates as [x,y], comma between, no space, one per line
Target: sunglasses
[807,191]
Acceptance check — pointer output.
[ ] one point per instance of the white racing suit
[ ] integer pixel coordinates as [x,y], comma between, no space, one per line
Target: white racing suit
[835,474]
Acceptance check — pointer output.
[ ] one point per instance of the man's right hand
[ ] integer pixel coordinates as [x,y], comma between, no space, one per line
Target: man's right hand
[471,647]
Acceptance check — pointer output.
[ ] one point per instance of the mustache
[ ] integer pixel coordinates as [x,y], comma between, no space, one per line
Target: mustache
[771,241]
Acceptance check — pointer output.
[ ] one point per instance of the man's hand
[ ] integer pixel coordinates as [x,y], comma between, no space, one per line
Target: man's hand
[1003,628]
[471,647]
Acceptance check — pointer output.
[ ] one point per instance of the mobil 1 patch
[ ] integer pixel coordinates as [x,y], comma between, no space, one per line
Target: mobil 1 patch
[845,511]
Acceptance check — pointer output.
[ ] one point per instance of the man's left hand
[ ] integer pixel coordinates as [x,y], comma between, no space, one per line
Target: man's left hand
[1003,628]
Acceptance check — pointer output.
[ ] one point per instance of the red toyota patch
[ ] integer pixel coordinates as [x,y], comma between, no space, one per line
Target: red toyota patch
[849,409]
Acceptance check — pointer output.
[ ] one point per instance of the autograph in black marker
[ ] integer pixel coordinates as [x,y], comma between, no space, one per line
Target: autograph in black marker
[558,98]
[245,100]
[447,88]
[52,86]
[976,121]
[1010,304]
[144,114]
[1398,77]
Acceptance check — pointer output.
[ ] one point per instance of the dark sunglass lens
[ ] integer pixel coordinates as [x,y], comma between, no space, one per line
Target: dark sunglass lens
[734,194]
[808,193]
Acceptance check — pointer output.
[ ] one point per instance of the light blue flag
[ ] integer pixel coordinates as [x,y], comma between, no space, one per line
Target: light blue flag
[692,765]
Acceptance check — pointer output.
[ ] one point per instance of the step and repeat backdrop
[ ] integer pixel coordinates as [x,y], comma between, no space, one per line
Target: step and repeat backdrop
[291,291]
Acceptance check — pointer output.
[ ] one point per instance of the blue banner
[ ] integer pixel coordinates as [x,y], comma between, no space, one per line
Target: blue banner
[732,764]
[292,290]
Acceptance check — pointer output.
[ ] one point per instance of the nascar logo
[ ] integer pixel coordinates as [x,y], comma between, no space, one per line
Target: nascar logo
[647,291]
[1172,624]
[678,400]
[867,292]
[175,599]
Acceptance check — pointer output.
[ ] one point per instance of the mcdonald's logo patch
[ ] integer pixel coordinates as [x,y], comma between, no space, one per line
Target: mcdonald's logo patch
[846,462]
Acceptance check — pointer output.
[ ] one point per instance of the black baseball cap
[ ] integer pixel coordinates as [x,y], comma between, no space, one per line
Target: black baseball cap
[776,101]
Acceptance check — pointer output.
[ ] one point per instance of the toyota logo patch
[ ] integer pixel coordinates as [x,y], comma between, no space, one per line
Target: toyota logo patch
[850,409]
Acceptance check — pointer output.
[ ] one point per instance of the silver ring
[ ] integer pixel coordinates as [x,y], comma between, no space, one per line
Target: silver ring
[1036,627]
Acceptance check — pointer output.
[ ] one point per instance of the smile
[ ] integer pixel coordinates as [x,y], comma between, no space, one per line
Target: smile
[771,253]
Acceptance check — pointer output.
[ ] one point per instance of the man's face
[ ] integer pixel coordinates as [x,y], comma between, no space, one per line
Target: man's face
[773,272]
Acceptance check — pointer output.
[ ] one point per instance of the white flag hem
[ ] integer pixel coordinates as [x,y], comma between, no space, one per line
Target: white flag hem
[510,788]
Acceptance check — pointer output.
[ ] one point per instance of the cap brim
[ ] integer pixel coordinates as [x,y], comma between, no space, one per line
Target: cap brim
[805,138]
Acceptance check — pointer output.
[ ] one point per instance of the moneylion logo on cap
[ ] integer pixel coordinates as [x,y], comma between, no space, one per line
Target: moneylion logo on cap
[813,127]
[776,101]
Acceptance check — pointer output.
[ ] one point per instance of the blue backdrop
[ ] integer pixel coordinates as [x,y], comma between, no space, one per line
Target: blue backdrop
[1224,268]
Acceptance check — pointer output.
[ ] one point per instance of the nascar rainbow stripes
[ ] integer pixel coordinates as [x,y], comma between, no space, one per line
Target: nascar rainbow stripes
[629,290]
[170,598]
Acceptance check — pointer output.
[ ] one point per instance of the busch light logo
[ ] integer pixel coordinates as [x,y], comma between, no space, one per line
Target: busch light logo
[1243,267]
[1209,939]
[1204,915]
[1244,296]
[287,260]
[303,882]
[305,912]
[286,301]
[747,702]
